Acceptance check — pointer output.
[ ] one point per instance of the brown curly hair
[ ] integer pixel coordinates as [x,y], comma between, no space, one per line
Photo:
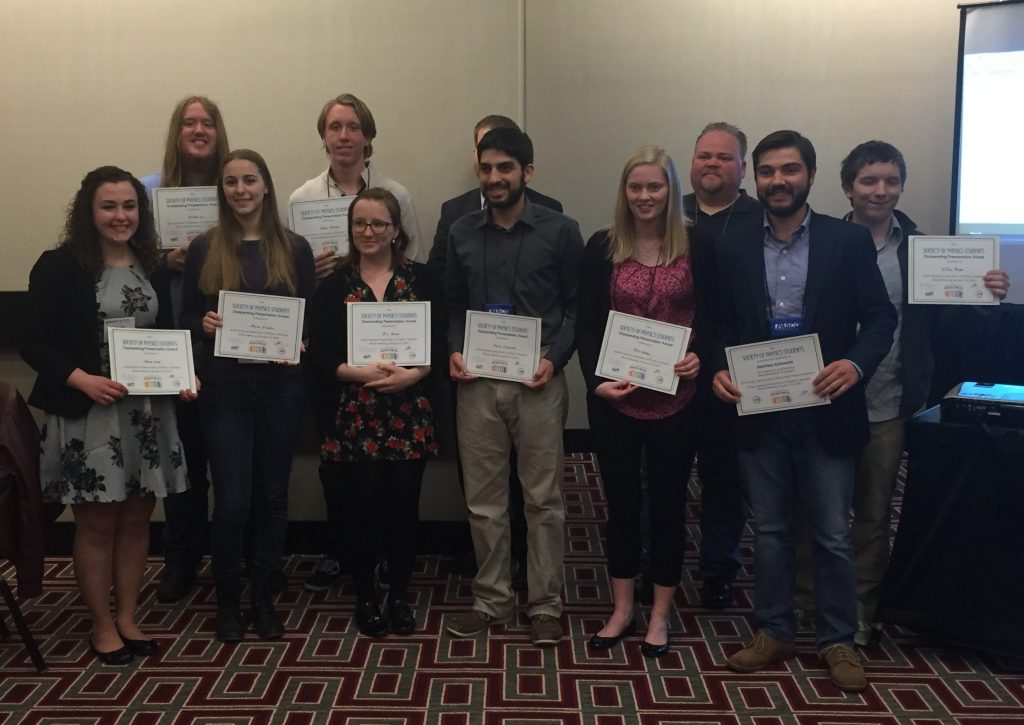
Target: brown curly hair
[83,239]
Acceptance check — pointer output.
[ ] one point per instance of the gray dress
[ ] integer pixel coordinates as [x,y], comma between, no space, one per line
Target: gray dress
[130,448]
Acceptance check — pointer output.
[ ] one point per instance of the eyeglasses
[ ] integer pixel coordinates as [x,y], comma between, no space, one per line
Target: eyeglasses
[379,226]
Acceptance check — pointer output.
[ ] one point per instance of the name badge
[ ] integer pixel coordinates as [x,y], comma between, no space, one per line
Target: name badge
[500,308]
[118,322]
[787,326]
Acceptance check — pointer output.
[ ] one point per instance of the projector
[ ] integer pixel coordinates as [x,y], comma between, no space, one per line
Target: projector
[995,403]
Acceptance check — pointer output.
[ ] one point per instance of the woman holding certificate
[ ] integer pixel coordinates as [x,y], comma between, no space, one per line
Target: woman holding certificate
[252,411]
[645,264]
[108,455]
[381,432]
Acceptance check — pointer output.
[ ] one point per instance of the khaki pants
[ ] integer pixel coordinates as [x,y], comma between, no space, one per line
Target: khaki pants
[493,415]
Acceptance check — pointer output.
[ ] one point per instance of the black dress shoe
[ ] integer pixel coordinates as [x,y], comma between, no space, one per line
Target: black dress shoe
[370,620]
[654,650]
[141,647]
[716,593]
[402,620]
[601,643]
[119,657]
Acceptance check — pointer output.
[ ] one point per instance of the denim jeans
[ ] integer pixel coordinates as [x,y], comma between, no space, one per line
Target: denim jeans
[251,429]
[790,466]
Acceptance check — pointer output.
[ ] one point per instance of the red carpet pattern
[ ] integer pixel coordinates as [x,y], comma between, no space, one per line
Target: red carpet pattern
[323,672]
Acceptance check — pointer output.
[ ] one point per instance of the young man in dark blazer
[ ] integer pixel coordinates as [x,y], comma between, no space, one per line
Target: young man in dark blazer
[796,272]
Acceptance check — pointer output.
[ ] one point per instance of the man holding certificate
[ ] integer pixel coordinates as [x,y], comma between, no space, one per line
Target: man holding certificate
[801,273]
[872,177]
[512,258]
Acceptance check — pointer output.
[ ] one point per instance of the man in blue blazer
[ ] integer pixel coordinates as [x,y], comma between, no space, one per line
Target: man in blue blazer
[797,272]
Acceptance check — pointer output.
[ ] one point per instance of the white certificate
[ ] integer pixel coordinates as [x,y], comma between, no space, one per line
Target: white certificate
[951,270]
[183,213]
[323,223]
[642,351]
[397,332]
[504,347]
[776,375]
[151,362]
[259,327]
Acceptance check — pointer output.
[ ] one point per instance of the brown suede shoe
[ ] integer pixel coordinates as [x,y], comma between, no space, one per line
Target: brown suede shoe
[845,668]
[762,651]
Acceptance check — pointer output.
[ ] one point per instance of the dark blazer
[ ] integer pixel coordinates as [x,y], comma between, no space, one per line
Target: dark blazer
[916,361]
[844,290]
[467,203]
[595,299]
[62,329]
[328,334]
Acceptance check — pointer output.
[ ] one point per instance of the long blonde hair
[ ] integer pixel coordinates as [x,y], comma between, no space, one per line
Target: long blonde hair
[622,231]
[222,268]
[172,171]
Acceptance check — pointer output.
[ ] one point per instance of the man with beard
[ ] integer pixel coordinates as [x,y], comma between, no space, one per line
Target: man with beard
[513,257]
[451,210]
[718,204]
[797,272]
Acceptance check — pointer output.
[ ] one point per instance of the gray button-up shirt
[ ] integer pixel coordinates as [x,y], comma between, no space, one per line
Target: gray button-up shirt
[785,269]
[885,389]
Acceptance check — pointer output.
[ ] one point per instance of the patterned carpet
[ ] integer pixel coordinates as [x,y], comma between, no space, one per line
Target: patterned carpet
[323,672]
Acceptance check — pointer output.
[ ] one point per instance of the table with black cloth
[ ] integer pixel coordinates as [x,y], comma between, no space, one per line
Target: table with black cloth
[957,566]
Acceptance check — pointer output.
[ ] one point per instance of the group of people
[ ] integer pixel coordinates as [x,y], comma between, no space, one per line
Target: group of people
[733,269]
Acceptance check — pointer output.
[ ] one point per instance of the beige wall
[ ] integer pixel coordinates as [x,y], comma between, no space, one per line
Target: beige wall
[87,83]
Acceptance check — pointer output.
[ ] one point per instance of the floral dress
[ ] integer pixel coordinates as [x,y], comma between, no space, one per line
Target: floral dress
[372,426]
[130,448]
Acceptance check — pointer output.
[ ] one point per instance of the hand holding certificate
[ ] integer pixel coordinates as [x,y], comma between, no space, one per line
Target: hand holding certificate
[395,332]
[503,347]
[777,374]
[151,362]
[323,222]
[642,352]
[183,213]
[951,270]
[259,327]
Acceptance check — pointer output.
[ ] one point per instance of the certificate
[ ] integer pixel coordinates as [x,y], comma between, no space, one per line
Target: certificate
[397,332]
[951,270]
[183,213]
[503,347]
[323,222]
[259,327]
[151,362]
[642,351]
[776,375]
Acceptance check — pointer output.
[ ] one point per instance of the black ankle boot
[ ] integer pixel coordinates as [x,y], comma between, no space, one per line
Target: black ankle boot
[229,612]
[369,619]
[264,618]
[403,622]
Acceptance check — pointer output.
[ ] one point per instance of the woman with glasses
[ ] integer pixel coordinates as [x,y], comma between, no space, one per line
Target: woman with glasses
[251,413]
[381,432]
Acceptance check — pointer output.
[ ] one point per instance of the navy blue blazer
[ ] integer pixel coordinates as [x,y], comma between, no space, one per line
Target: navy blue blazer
[845,303]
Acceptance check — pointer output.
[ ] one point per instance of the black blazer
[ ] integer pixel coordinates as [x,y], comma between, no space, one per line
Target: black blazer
[328,335]
[460,206]
[595,300]
[844,290]
[62,329]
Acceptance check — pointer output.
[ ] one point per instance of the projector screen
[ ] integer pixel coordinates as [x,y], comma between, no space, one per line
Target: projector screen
[989,149]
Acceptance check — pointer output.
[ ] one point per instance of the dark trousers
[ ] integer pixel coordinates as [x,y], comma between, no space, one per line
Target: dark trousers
[186,528]
[723,510]
[667,445]
[379,501]
[251,430]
